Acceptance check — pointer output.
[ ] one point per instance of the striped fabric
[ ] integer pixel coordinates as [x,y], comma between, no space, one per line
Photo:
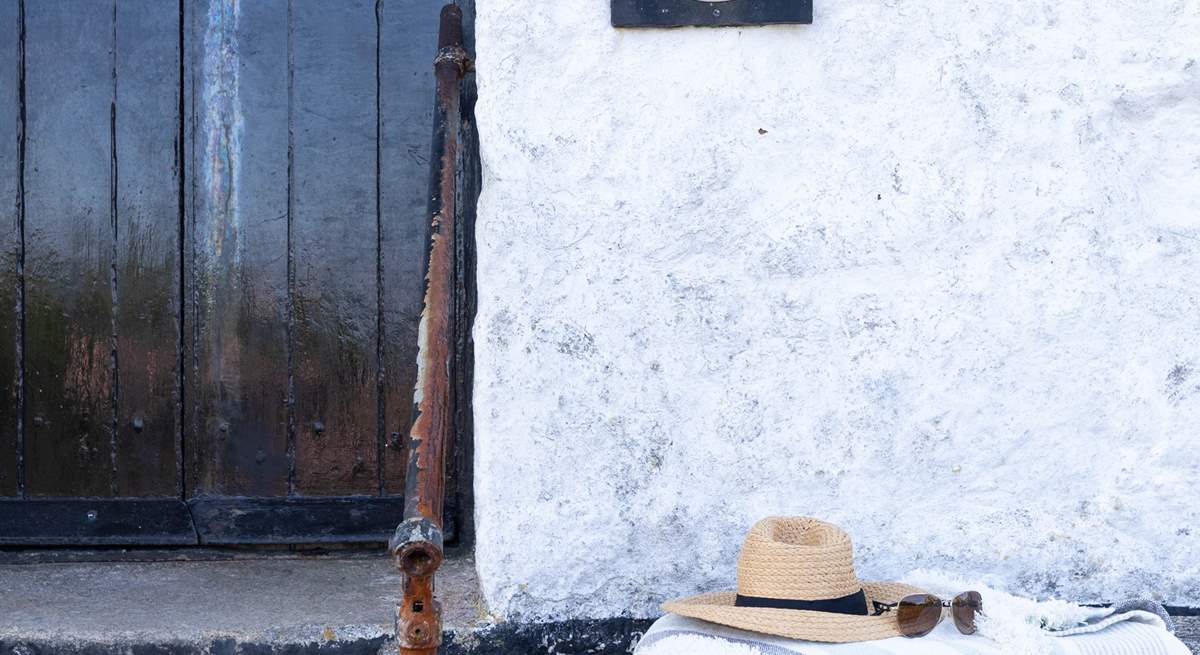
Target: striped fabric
[677,635]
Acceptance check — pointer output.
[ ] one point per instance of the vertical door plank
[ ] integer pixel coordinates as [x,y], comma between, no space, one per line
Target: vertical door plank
[68,248]
[335,240]
[194,16]
[409,42]
[9,247]
[147,263]
[237,249]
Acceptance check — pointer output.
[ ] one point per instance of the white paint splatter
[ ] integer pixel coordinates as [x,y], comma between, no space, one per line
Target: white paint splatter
[221,126]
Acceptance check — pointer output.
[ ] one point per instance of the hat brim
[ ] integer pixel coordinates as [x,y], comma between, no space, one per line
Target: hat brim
[799,624]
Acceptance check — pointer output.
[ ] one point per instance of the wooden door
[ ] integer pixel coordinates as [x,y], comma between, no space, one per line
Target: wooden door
[212,246]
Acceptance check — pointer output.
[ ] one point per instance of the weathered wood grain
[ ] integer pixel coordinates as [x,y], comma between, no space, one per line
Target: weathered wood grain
[68,249]
[335,233]
[237,256]
[409,40]
[147,260]
[459,466]
[10,245]
[292,520]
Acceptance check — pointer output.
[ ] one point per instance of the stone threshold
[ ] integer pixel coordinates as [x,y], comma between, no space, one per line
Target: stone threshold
[218,602]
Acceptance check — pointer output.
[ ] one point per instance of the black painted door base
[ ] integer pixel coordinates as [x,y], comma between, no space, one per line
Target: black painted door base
[200,521]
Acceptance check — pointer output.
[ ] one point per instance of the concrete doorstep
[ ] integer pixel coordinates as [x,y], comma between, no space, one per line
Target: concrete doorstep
[218,604]
[270,604]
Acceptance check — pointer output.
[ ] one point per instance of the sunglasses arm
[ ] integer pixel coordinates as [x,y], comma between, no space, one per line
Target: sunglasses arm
[883,608]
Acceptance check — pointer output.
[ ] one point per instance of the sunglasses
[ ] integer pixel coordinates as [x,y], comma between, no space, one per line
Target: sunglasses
[919,614]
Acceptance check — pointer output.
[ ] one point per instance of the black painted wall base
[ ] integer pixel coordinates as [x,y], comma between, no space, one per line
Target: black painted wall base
[599,637]
[602,637]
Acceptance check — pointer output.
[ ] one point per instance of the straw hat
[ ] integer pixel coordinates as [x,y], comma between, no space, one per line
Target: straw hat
[795,578]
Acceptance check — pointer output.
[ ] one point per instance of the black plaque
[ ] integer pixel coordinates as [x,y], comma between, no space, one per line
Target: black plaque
[724,13]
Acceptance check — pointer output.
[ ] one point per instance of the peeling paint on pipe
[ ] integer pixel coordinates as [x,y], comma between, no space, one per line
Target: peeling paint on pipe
[418,544]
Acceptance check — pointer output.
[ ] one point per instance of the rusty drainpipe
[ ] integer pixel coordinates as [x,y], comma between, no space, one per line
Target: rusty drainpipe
[417,543]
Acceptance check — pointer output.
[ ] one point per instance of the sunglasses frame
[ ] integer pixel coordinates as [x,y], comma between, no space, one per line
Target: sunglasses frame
[882,608]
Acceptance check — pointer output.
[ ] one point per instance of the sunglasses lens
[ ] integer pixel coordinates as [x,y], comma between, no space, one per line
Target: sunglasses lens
[964,608]
[918,614]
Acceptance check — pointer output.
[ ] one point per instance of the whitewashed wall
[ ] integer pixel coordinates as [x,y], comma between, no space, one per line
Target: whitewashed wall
[927,269]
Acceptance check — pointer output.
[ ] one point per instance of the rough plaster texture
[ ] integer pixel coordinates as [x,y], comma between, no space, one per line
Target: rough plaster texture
[927,269]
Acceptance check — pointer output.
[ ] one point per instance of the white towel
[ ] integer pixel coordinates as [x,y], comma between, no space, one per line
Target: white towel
[1030,627]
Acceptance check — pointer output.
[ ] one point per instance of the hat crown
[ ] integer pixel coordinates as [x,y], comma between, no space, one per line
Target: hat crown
[797,558]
